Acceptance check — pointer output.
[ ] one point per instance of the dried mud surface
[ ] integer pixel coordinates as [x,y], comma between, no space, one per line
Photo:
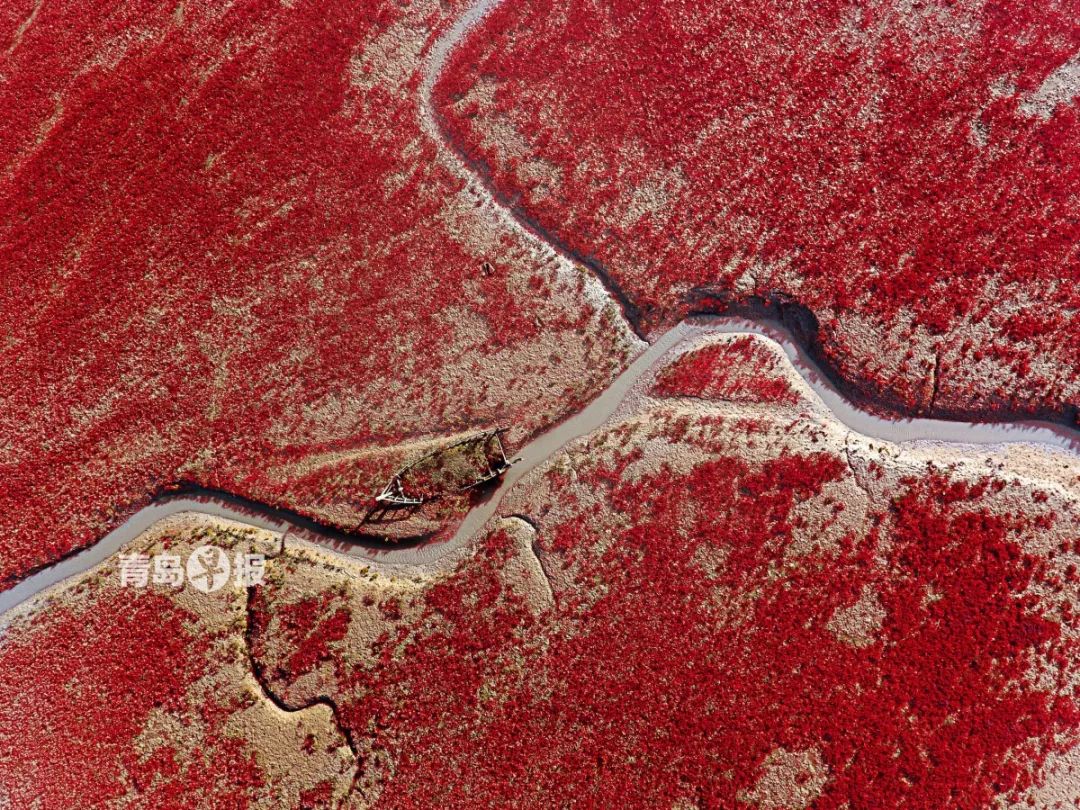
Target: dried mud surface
[721,597]
[895,176]
[302,290]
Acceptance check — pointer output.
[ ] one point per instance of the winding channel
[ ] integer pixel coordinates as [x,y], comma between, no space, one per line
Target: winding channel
[543,447]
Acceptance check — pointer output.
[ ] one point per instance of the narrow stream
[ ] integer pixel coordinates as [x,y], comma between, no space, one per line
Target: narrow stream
[549,443]
[544,447]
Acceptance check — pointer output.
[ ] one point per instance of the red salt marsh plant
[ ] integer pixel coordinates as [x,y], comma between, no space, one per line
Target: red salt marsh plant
[903,173]
[144,698]
[227,247]
[929,692]
[737,614]
[743,370]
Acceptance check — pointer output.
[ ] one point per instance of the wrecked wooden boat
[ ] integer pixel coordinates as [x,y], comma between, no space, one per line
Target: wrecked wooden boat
[463,465]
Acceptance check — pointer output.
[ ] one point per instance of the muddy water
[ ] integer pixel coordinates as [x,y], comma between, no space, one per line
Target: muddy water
[549,443]
[544,447]
[900,431]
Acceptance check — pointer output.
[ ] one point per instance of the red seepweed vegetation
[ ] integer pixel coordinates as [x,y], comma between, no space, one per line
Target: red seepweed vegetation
[656,692]
[228,248]
[84,686]
[716,622]
[742,370]
[904,173]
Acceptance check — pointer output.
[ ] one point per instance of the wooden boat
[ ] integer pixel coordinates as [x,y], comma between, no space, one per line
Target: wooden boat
[463,465]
